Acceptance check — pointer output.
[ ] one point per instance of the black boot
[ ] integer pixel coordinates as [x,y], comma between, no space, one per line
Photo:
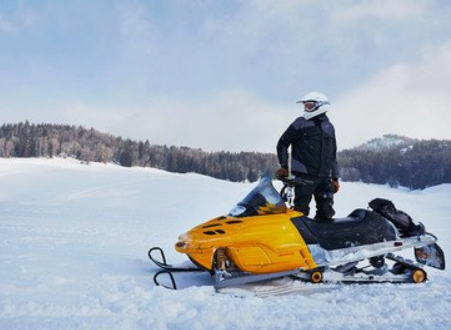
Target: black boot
[325,212]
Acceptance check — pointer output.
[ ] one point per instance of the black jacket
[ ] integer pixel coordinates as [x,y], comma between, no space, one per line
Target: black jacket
[314,147]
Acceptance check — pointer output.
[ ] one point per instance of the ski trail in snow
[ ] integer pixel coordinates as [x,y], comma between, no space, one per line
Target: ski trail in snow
[111,190]
[280,287]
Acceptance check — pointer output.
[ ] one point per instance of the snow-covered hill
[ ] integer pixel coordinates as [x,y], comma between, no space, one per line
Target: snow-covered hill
[74,238]
[387,142]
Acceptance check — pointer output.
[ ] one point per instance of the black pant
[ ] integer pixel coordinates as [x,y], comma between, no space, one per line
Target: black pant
[306,187]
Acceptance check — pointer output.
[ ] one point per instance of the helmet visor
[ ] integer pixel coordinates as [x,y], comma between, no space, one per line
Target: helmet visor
[309,106]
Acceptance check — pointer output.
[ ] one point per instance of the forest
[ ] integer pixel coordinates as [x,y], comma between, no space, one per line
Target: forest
[416,164]
[90,145]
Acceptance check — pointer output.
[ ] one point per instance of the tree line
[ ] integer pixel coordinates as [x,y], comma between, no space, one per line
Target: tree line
[89,145]
[411,163]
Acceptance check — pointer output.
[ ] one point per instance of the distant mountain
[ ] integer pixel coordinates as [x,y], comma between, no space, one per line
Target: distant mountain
[398,160]
[385,143]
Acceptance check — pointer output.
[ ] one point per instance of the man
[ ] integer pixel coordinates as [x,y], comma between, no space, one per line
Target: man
[314,162]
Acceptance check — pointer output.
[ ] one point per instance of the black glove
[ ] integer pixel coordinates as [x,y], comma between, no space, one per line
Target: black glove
[335,185]
[281,173]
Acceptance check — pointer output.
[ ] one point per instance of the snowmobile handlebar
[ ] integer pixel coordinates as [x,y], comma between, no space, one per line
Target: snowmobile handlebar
[288,181]
[287,190]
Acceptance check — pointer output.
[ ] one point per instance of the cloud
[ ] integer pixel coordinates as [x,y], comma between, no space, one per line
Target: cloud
[21,18]
[6,26]
[254,17]
[409,99]
[331,44]
[136,29]
[382,9]
[232,121]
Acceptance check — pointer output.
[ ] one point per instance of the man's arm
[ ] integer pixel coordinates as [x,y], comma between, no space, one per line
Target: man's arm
[288,137]
[335,168]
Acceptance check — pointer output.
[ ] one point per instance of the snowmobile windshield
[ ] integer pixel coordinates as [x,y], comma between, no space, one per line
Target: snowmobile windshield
[262,200]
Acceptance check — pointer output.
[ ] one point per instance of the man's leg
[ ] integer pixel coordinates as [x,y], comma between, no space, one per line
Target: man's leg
[324,197]
[303,192]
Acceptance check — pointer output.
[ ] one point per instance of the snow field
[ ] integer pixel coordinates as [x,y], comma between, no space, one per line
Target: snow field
[74,239]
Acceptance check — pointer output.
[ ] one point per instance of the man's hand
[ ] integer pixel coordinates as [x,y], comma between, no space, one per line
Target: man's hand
[281,173]
[335,185]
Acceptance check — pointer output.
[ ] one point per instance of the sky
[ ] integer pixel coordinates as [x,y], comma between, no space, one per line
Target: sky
[226,74]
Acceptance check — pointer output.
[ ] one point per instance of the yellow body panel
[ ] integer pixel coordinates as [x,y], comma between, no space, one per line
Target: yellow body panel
[258,244]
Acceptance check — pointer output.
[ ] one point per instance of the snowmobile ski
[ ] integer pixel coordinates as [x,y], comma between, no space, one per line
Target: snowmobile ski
[167,269]
[225,279]
[279,287]
[173,285]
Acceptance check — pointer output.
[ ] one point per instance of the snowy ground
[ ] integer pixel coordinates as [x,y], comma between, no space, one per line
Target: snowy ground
[74,238]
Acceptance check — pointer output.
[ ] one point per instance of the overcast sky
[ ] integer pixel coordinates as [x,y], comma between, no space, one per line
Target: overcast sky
[225,74]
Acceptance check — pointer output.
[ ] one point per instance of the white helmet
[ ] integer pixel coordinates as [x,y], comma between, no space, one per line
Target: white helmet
[320,104]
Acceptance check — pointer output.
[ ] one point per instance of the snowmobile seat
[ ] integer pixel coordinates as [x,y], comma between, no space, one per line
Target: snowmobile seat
[361,227]
[356,215]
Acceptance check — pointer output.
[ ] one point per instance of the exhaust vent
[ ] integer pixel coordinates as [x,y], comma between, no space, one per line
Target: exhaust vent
[217,231]
[233,222]
[213,225]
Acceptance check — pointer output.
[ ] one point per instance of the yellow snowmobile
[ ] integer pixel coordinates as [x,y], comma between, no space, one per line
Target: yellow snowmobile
[263,239]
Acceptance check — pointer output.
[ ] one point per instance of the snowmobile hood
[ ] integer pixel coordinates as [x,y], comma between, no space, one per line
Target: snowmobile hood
[263,243]
[263,200]
[258,235]
[207,235]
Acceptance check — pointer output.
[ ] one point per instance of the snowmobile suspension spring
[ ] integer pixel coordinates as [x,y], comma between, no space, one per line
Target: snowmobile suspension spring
[221,258]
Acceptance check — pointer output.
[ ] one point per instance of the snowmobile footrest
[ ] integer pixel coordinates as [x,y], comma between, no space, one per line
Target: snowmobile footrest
[406,262]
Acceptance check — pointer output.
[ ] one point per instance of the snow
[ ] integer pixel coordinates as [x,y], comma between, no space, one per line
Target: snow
[74,239]
[386,142]
[403,151]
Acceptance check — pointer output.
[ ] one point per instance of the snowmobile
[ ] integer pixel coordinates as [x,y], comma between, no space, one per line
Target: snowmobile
[265,238]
